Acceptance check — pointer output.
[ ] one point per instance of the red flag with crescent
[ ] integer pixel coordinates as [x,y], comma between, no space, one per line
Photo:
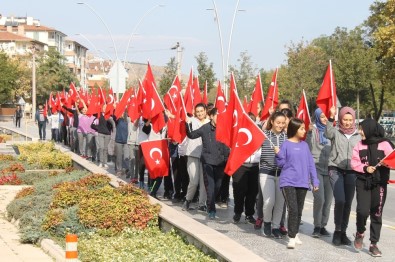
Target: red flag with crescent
[271,98]
[327,95]
[156,157]
[220,100]
[303,112]
[257,96]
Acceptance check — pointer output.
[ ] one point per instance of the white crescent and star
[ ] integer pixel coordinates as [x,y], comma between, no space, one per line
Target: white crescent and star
[155,149]
[249,136]
[301,113]
[112,99]
[152,104]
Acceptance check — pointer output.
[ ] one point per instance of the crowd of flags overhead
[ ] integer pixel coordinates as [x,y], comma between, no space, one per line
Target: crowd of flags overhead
[234,127]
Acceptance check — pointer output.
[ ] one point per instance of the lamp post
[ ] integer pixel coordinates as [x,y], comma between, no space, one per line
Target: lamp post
[136,27]
[118,70]
[34,91]
[225,69]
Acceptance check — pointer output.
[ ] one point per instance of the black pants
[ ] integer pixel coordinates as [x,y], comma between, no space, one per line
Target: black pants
[294,198]
[213,176]
[370,202]
[245,189]
[42,125]
[141,164]
[223,193]
[155,185]
[181,177]
[168,180]
[343,184]
[17,122]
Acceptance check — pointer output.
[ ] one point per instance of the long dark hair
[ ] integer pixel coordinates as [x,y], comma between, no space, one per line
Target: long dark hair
[293,126]
[273,117]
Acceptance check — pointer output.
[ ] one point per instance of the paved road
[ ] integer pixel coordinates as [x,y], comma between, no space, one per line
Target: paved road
[312,249]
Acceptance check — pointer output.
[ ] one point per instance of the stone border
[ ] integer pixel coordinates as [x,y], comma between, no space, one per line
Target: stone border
[203,237]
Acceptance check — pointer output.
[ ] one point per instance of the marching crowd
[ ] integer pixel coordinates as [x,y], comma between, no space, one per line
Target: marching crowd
[334,160]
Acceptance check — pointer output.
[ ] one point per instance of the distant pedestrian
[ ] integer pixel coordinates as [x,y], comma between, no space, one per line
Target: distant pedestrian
[42,120]
[297,174]
[371,183]
[18,116]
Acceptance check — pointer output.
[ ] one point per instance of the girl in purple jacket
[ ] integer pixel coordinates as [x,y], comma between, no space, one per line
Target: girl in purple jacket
[297,173]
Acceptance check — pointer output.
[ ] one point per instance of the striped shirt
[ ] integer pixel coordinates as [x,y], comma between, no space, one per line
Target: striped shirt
[267,162]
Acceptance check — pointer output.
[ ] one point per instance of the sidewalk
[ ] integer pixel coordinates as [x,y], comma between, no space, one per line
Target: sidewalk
[10,248]
[275,249]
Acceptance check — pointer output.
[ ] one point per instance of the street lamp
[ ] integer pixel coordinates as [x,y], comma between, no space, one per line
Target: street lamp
[33,49]
[225,70]
[104,23]
[136,27]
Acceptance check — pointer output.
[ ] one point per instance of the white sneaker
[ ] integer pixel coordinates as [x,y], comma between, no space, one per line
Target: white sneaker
[291,243]
[297,240]
[105,166]
[101,165]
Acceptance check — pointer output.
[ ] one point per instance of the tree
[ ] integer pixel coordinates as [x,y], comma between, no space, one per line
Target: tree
[205,71]
[23,85]
[168,76]
[52,73]
[244,75]
[380,27]
[9,75]
[305,66]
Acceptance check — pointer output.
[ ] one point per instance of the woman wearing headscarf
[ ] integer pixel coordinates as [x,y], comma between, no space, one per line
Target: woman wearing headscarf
[371,183]
[342,176]
[320,148]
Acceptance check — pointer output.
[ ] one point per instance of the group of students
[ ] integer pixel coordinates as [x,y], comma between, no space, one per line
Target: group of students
[332,161]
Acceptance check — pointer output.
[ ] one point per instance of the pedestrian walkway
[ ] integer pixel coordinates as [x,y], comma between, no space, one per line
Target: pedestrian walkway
[270,249]
[11,250]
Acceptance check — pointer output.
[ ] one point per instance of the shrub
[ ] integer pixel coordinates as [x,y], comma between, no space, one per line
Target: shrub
[107,208]
[14,167]
[138,245]
[4,157]
[12,179]
[25,192]
[29,178]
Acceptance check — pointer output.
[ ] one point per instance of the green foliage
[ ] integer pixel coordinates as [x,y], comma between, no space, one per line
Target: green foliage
[245,75]
[107,208]
[168,76]
[8,77]
[44,155]
[205,72]
[138,245]
[52,72]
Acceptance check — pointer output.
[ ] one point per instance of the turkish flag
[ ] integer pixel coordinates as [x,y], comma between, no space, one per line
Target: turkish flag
[133,111]
[228,121]
[327,95]
[73,94]
[197,97]
[257,96]
[156,157]
[175,126]
[175,90]
[121,106]
[248,139]
[152,105]
[246,105]
[110,104]
[220,100]
[205,98]
[271,98]
[188,97]
[93,105]
[45,113]
[303,112]
[389,160]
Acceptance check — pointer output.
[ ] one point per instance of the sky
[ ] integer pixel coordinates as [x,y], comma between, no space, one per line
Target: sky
[261,28]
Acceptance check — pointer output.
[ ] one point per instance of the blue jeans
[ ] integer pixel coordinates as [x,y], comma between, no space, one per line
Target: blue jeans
[42,125]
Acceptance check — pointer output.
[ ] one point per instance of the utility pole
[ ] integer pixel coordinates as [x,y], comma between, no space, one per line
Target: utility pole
[34,95]
[178,48]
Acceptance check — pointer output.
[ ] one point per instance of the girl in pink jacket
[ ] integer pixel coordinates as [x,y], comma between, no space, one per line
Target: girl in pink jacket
[371,182]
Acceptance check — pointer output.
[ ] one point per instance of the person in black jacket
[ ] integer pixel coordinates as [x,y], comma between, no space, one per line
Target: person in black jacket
[214,157]
[18,116]
[74,120]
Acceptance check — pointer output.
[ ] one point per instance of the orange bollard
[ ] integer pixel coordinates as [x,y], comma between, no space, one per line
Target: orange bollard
[71,247]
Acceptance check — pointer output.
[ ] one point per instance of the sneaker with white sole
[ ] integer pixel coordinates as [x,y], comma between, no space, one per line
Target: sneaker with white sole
[297,240]
[291,243]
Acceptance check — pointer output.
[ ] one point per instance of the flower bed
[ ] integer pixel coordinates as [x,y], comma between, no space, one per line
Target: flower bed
[117,224]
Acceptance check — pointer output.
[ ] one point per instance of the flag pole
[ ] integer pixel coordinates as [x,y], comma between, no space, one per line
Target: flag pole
[274,87]
[307,106]
[273,145]
[330,72]
[379,164]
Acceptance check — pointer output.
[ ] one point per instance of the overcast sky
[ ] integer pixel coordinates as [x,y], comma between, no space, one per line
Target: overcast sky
[262,28]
